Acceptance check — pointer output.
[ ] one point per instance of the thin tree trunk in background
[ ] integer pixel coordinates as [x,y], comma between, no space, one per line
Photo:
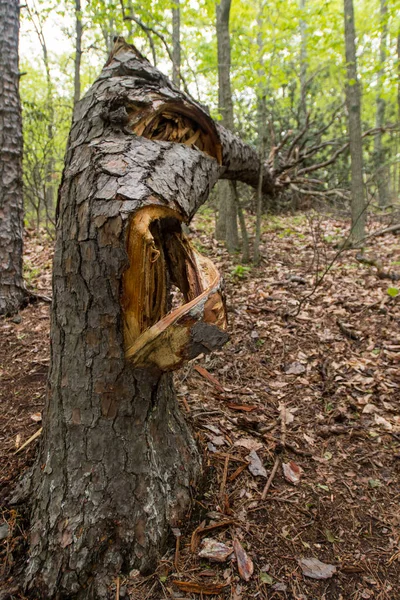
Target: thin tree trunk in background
[49,195]
[382,173]
[303,66]
[261,132]
[226,227]
[12,289]
[176,43]
[78,51]
[353,102]
[398,97]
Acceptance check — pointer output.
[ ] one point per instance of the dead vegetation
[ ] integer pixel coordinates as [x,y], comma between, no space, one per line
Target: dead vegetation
[297,418]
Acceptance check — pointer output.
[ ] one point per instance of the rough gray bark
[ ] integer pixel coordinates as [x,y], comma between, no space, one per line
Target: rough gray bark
[12,289]
[117,461]
[382,172]
[176,43]
[78,51]
[226,227]
[353,102]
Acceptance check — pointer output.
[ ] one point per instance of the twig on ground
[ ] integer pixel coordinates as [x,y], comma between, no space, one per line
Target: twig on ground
[270,478]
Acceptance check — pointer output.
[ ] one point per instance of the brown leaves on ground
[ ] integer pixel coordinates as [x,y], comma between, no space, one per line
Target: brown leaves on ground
[295,389]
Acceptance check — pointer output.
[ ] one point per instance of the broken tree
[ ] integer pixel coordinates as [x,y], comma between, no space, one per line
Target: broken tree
[117,461]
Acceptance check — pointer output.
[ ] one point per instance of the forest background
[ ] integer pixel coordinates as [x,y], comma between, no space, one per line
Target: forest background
[288,77]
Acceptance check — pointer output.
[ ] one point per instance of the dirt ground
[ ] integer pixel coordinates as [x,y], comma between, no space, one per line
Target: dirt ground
[309,384]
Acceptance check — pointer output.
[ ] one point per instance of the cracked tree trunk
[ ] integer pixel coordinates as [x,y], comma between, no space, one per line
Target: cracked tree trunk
[117,460]
[12,289]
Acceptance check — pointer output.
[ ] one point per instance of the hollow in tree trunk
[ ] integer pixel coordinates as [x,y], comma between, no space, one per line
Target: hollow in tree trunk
[117,461]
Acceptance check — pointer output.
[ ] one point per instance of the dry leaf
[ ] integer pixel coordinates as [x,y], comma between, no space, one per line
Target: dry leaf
[249,444]
[37,417]
[295,368]
[314,568]
[214,550]
[292,472]
[385,424]
[242,407]
[256,467]
[244,562]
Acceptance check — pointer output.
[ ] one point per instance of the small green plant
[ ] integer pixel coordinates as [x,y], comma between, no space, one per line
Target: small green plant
[30,272]
[393,292]
[240,271]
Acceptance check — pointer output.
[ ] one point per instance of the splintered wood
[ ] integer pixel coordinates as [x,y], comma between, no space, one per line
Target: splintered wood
[159,253]
[177,122]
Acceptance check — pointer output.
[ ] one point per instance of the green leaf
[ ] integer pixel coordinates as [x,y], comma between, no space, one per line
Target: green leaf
[163,578]
[374,483]
[265,578]
[323,487]
[329,536]
[393,292]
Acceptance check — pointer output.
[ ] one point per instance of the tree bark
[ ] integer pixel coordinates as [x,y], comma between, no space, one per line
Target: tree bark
[261,132]
[353,102]
[382,174]
[226,227]
[176,43]
[303,66]
[12,289]
[78,51]
[117,461]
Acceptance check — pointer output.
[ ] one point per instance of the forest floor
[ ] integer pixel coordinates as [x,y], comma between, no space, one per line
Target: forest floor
[309,383]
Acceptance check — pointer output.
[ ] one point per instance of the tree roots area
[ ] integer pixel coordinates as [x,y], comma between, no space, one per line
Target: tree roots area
[297,419]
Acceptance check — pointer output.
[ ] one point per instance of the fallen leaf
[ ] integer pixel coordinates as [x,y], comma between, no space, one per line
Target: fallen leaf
[279,587]
[374,483]
[214,550]
[369,409]
[204,373]
[37,417]
[292,472]
[385,424]
[248,443]
[217,440]
[242,407]
[314,568]
[295,368]
[244,562]
[286,414]
[256,467]
[266,578]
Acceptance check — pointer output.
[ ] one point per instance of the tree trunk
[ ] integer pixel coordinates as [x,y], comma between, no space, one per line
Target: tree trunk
[303,66]
[226,227]
[382,174]
[261,132]
[12,289]
[78,51]
[176,44]
[117,461]
[353,102]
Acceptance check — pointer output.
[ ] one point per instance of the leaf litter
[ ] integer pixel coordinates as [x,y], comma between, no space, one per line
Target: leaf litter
[294,393]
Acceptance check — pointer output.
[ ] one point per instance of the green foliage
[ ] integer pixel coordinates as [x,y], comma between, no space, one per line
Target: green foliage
[266,58]
[393,292]
[240,271]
